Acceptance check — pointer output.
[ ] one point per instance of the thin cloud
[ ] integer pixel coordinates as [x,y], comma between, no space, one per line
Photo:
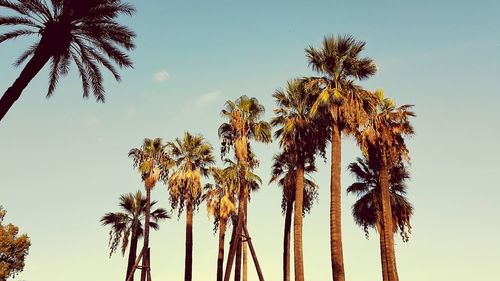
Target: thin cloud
[207,99]
[161,76]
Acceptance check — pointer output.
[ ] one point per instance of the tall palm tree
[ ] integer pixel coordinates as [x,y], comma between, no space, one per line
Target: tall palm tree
[284,173]
[192,156]
[127,225]
[243,124]
[85,32]
[299,136]
[367,211]
[382,138]
[220,198]
[339,62]
[153,163]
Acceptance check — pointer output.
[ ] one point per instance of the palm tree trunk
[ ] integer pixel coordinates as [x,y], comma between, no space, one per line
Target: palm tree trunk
[145,258]
[244,245]
[220,256]
[188,262]
[383,256]
[35,64]
[132,253]
[237,235]
[286,240]
[254,255]
[297,221]
[237,267]
[387,218]
[337,256]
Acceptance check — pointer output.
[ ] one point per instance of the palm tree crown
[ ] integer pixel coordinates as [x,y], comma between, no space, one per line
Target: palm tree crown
[129,220]
[367,211]
[85,32]
[192,156]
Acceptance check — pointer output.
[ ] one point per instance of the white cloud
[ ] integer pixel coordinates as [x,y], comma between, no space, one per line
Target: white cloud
[206,99]
[161,76]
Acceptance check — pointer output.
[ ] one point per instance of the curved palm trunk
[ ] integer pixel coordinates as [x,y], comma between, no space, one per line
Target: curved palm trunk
[387,227]
[132,254]
[383,256]
[297,222]
[220,256]
[145,258]
[188,262]
[286,241]
[337,256]
[35,64]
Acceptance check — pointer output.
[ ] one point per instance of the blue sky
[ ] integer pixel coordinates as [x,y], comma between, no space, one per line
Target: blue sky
[63,160]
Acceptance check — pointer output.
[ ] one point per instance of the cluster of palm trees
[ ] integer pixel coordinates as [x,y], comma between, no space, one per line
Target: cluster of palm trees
[312,114]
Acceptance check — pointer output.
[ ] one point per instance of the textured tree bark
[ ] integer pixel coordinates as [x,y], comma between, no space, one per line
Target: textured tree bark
[297,221]
[188,262]
[383,256]
[220,256]
[286,240]
[244,245]
[337,256]
[35,64]
[132,254]
[388,230]
[237,267]
[145,259]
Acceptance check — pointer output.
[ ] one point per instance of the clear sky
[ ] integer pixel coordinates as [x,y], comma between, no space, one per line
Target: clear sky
[63,161]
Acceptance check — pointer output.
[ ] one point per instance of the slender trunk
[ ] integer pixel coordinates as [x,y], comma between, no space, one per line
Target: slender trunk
[136,264]
[35,64]
[286,240]
[244,245]
[220,256]
[132,253]
[254,255]
[237,267]
[387,218]
[188,262]
[383,256]
[145,259]
[337,256]
[297,221]
[236,239]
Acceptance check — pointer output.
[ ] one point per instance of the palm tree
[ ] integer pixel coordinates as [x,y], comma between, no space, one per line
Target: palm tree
[382,139]
[283,173]
[192,156]
[299,136]
[367,211]
[345,103]
[220,198]
[153,163]
[243,123]
[127,226]
[85,32]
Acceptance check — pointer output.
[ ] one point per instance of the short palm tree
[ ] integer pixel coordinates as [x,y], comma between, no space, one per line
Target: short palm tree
[284,173]
[367,211]
[301,138]
[382,139]
[192,156]
[85,32]
[220,198]
[127,225]
[153,163]
[243,124]
[339,62]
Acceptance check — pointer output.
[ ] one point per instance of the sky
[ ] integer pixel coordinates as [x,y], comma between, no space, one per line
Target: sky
[64,164]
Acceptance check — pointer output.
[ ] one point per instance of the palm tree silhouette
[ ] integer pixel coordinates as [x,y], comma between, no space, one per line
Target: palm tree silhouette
[300,137]
[367,211]
[345,103]
[127,225]
[85,32]
[192,156]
